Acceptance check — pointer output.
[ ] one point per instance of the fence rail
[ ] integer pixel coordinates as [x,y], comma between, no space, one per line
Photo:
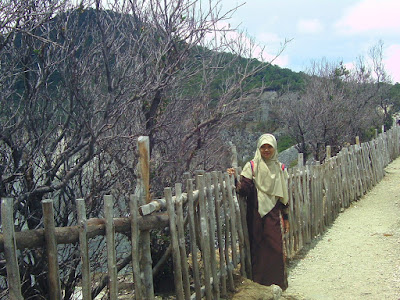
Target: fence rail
[207,224]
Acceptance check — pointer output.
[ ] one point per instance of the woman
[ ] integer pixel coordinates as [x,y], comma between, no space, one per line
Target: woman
[263,183]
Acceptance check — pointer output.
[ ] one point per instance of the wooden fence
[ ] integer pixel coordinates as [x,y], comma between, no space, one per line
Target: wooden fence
[207,223]
[318,193]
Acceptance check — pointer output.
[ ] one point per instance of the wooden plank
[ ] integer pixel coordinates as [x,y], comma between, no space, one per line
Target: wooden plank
[95,227]
[84,249]
[10,249]
[111,251]
[159,204]
[51,250]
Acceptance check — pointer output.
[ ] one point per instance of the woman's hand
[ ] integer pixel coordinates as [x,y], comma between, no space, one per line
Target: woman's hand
[231,171]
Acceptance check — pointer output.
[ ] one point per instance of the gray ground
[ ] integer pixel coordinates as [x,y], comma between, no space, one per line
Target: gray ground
[358,257]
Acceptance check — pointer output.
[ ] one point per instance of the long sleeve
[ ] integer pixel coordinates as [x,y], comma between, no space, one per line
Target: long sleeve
[245,187]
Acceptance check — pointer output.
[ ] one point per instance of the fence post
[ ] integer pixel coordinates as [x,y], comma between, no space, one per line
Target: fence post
[176,255]
[10,249]
[227,229]
[83,243]
[357,140]
[204,235]
[300,160]
[234,159]
[51,249]
[231,210]
[181,240]
[135,233]
[143,188]
[328,152]
[111,253]
[218,220]
[193,237]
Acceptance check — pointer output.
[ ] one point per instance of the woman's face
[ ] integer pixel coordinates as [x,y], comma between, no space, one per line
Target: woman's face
[267,151]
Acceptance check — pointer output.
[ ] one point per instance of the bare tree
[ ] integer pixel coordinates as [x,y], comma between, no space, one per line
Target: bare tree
[79,83]
[336,105]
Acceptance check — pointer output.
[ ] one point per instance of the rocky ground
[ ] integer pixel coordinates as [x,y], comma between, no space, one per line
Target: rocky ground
[358,257]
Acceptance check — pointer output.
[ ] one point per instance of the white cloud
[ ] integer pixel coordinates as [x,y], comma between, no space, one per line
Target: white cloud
[240,43]
[370,15]
[269,38]
[310,26]
[281,60]
[392,62]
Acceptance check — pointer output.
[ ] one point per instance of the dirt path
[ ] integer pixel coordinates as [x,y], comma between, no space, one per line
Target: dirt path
[359,255]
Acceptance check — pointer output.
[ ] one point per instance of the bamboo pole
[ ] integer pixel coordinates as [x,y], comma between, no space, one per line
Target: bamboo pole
[84,249]
[10,249]
[51,250]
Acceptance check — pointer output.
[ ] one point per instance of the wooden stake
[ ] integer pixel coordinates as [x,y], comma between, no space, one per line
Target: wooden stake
[10,249]
[84,249]
[51,250]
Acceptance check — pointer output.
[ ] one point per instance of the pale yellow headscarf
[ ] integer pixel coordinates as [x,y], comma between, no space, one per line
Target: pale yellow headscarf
[269,178]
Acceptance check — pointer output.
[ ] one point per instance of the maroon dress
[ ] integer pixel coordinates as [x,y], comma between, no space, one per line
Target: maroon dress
[265,234]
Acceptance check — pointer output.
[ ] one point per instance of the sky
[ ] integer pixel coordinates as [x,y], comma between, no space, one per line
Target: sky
[331,30]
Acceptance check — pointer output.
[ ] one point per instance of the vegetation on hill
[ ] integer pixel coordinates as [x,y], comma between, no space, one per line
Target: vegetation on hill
[80,83]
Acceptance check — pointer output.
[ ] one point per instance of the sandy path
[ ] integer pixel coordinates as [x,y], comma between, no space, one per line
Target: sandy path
[359,255]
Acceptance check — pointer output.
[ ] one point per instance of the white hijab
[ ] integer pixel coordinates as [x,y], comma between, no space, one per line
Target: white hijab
[269,178]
